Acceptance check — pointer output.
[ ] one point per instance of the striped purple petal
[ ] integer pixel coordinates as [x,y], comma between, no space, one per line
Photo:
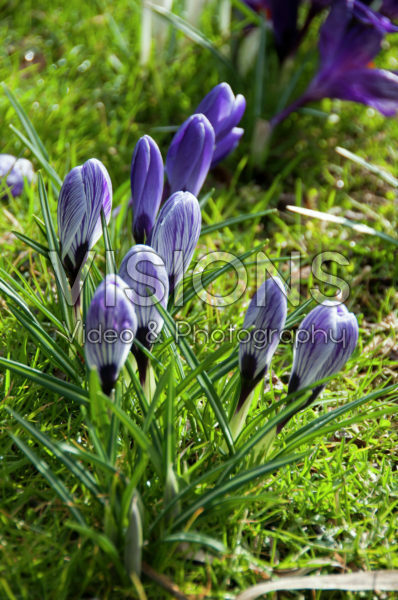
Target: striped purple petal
[145,274]
[86,190]
[324,342]
[110,327]
[176,233]
[264,320]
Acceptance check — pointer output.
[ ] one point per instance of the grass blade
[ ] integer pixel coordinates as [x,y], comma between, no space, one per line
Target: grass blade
[236,221]
[62,388]
[36,246]
[358,227]
[26,122]
[190,32]
[56,484]
[194,537]
[74,467]
[136,432]
[209,499]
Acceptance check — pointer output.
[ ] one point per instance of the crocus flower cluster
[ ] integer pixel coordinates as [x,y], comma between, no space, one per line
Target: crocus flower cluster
[324,342]
[148,273]
[13,171]
[203,140]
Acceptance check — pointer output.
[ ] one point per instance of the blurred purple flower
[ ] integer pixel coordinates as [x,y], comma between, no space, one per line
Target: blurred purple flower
[264,320]
[110,327]
[176,233]
[350,38]
[145,274]
[224,112]
[86,190]
[14,170]
[190,154]
[146,186]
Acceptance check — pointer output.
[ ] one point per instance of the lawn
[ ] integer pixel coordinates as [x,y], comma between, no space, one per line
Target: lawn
[90,485]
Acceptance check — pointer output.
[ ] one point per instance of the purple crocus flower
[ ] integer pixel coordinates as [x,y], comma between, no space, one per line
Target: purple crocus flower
[146,186]
[145,274]
[190,154]
[324,342]
[111,325]
[224,112]
[264,321]
[350,38]
[86,190]
[176,233]
[15,170]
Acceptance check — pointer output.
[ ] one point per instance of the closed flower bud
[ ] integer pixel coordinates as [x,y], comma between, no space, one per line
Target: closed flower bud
[264,321]
[224,112]
[190,154]
[176,233]
[147,280]
[111,325]
[324,342]
[146,186]
[14,170]
[86,190]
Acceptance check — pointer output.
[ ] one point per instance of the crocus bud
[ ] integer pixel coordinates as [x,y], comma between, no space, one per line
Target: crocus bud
[264,322]
[324,342]
[176,233]
[190,154]
[224,112]
[111,325]
[146,186]
[86,190]
[145,274]
[14,170]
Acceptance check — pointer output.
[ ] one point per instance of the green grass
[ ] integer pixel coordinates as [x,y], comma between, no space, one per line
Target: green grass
[331,511]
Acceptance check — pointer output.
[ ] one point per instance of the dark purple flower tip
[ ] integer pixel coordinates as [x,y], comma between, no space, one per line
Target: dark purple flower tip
[190,154]
[176,233]
[110,327]
[15,170]
[146,186]
[324,342]
[264,322]
[145,274]
[86,190]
